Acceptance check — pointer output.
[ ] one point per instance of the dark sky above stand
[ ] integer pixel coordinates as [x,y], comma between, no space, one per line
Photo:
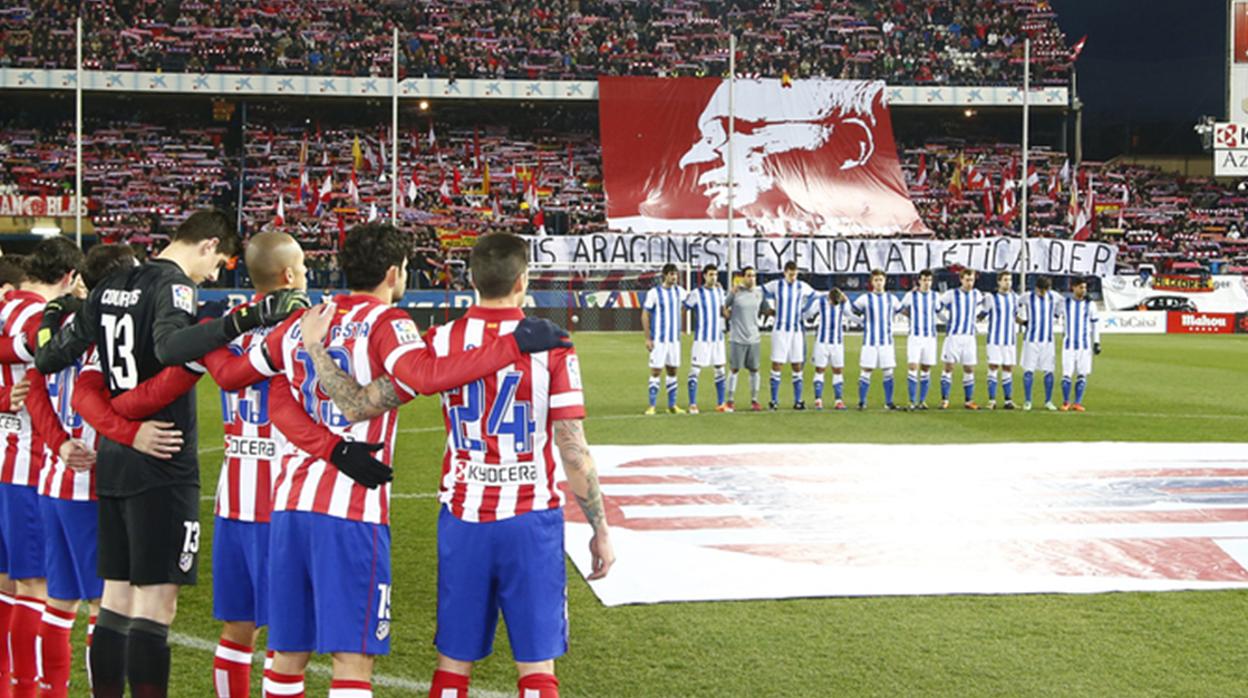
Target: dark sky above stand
[1150,69]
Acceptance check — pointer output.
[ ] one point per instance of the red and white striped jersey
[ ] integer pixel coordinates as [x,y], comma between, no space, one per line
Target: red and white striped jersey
[499,459]
[58,480]
[24,452]
[253,445]
[366,338]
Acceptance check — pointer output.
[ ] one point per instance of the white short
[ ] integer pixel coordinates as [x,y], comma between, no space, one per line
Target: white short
[1076,362]
[665,354]
[921,350]
[878,357]
[788,347]
[960,350]
[1039,356]
[1002,355]
[707,354]
[829,355]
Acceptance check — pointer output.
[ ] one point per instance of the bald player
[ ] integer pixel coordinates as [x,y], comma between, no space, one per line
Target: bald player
[253,450]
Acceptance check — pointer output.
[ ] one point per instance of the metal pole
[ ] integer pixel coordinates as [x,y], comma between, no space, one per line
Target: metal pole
[732,126]
[1074,88]
[242,170]
[394,135]
[1026,155]
[78,139]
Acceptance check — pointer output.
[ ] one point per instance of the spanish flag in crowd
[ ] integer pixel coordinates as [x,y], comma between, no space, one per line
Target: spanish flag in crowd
[786,80]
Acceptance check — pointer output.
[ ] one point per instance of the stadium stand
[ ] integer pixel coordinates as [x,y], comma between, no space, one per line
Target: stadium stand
[934,41]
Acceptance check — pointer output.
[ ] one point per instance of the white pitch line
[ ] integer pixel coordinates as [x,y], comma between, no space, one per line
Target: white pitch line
[386,680]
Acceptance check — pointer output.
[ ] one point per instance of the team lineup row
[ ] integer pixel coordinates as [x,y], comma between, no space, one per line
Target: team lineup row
[791,302]
[100,484]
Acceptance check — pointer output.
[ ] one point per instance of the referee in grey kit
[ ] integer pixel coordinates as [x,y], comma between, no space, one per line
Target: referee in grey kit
[743,308]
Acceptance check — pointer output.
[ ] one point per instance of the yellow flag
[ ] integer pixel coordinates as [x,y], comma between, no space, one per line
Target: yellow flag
[357,157]
[485,180]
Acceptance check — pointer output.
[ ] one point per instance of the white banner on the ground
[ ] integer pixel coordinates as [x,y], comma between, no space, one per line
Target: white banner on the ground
[1133,322]
[770,521]
[830,255]
[1208,294]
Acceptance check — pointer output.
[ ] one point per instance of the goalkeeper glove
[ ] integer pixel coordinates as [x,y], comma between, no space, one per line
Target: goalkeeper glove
[1096,348]
[355,460]
[271,309]
[535,334]
[54,314]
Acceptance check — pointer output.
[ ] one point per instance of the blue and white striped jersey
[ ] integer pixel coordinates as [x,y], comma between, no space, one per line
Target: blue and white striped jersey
[789,300]
[665,306]
[831,328]
[1039,311]
[708,304]
[1081,330]
[1002,318]
[963,309]
[877,311]
[922,307]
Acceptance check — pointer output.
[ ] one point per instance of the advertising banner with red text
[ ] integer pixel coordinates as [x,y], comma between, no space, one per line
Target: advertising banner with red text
[810,157]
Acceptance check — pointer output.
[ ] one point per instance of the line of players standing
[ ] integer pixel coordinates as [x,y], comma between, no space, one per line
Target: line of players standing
[792,302]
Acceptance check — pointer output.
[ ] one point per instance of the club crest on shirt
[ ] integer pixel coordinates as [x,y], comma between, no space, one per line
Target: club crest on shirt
[184,298]
[406,331]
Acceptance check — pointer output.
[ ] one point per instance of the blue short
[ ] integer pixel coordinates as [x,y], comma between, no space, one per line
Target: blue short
[71,542]
[329,584]
[21,530]
[514,565]
[240,571]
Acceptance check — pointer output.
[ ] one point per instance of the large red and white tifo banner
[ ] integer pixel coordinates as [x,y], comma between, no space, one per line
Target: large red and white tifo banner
[811,157]
[769,521]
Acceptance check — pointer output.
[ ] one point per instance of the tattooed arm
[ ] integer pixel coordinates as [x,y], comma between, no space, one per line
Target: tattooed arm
[357,402]
[578,465]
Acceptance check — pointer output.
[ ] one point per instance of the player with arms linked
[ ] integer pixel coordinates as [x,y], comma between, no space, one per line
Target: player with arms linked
[330,584]
[142,321]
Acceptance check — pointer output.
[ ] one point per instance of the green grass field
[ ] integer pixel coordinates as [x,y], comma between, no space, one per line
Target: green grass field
[1144,388]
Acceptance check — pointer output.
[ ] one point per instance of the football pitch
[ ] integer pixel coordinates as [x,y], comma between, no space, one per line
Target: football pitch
[1144,388]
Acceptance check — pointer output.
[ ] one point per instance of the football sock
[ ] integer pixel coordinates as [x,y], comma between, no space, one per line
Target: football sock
[838,385]
[55,652]
[448,684]
[1066,389]
[672,383]
[968,387]
[818,386]
[1007,383]
[925,384]
[1048,387]
[992,384]
[283,685]
[946,384]
[231,669]
[1029,379]
[775,386]
[732,386]
[864,384]
[888,386]
[721,384]
[797,387]
[343,688]
[6,615]
[654,390]
[538,686]
[108,654]
[756,380]
[912,385]
[147,659]
[90,636]
[1080,386]
[23,633]
[693,387]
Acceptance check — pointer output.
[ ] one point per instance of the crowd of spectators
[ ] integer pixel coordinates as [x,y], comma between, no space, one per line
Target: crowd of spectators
[900,41]
[459,180]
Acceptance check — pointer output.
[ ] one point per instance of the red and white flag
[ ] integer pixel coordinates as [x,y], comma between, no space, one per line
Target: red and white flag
[920,177]
[1009,209]
[353,189]
[1085,220]
[1078,48]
